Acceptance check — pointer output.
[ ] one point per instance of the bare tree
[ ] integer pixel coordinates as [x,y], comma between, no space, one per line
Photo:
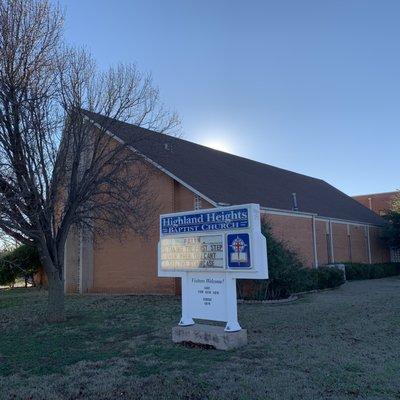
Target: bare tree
[7,243]
[58,167]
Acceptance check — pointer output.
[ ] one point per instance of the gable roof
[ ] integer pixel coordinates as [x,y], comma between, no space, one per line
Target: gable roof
[226,178]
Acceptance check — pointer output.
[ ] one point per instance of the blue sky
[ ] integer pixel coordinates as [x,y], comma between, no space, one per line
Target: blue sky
[310,86]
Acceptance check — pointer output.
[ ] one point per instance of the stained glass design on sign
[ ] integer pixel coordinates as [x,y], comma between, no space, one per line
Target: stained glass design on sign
[238,250]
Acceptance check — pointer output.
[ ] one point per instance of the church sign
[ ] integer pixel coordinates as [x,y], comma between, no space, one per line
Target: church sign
[209,250]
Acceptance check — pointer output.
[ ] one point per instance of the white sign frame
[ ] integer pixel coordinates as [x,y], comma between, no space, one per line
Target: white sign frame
[219,301]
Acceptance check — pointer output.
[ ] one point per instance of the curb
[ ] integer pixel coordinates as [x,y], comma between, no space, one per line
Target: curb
[318,290]
[282,301]
[291,298]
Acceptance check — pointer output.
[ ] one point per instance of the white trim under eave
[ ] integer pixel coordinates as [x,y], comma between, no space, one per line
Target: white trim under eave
[158,166]
[345,221]
[277,211]
[317,217]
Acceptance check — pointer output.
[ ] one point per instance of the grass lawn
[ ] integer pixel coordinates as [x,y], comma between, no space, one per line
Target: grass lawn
[340,344]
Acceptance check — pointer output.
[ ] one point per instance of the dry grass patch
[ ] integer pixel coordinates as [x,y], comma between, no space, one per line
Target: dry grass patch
[341,344]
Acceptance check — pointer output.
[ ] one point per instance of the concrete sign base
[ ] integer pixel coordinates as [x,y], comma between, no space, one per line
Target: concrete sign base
[210,335]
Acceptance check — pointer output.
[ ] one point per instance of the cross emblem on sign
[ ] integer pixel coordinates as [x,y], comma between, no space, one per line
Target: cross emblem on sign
[238,245]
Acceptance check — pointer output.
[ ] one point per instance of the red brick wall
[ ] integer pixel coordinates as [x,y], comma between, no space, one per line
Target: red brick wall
[184,199]
[296,232]
[359,251]
[131,265]
[380,203]
[341,248]
[321,230]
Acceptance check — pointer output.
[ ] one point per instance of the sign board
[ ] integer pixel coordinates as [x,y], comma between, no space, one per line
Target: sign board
[209,249]
[192,252]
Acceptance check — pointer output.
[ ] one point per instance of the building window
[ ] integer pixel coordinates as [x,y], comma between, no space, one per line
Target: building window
[197,202]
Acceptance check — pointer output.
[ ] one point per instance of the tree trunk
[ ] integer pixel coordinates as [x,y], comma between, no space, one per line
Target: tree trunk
[55,308]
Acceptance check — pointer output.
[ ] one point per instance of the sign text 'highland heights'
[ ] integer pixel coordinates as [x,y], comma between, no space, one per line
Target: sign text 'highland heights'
[205,222]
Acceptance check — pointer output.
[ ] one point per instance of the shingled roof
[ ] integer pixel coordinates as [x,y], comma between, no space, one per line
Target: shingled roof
[229,179]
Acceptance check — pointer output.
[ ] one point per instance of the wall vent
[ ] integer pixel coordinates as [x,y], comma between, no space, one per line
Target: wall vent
[197,202]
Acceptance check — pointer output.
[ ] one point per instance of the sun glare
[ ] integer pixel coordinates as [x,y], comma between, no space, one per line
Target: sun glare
[221,145]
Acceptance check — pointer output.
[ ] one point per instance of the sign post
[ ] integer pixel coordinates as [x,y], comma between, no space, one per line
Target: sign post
[209,249]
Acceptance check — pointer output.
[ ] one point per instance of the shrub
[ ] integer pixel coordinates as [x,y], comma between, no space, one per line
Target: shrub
[22,262]
[391,230]
[371,271]
[287,274]
[7,274]
[327,277]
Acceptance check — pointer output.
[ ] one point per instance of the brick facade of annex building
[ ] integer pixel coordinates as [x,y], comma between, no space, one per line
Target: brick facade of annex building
[379,203]
[322,224]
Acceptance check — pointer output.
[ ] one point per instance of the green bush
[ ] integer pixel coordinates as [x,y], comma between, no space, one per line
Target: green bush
[327,277]
[391,230]
[371,271]
[22,262]
[287,274]
[7,274]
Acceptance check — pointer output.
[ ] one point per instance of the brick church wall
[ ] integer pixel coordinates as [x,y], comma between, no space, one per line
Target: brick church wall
[130,266]
[295,232]
[322,239]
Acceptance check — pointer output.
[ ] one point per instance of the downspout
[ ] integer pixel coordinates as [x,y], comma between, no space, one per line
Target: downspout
[314,243]
[331,240]
[349,243]
[369,246]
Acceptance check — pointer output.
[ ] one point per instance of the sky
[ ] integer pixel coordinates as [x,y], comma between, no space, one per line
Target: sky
[311,86]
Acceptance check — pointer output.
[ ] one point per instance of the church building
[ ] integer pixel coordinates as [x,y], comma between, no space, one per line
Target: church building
[319,222]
